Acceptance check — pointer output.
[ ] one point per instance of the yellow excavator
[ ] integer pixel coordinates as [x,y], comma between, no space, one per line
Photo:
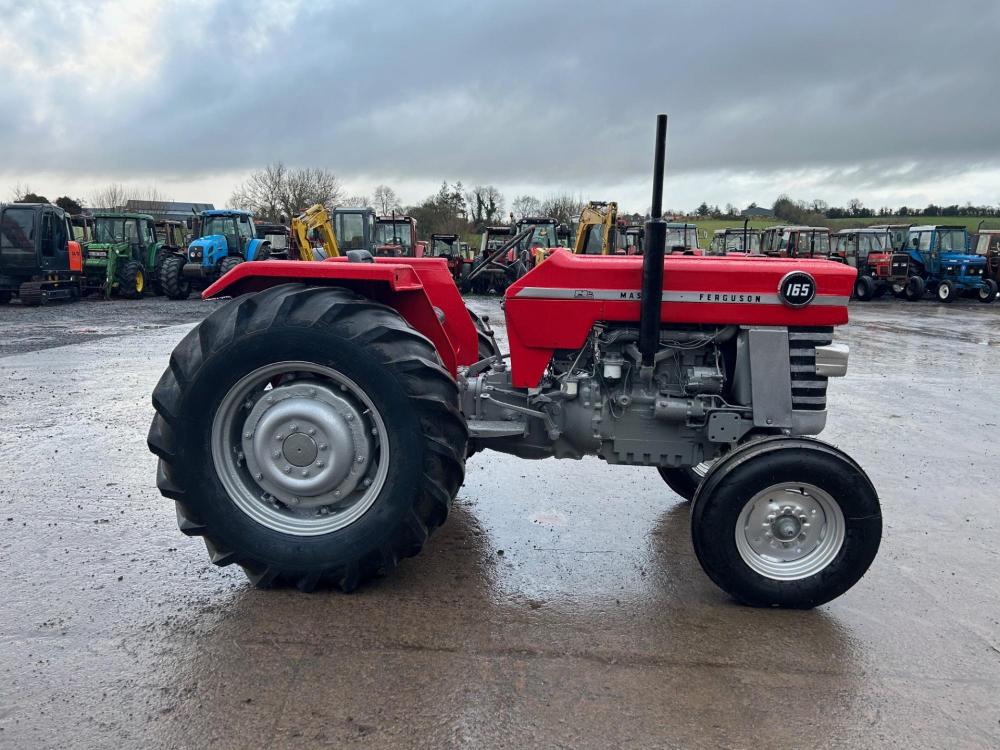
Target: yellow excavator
[315,218]
[598,226]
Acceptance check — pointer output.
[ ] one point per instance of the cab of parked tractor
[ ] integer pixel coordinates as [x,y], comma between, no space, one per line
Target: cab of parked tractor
[936,259]
[682,238]
[225,233]
[396,236]
[988,247]
[39,259]
[278,236]
[735,241]
[123,256]
[795,242]
[870,251]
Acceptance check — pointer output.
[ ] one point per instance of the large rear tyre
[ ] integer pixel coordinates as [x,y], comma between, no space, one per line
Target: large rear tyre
[309,435]
[131,280]
[686,479]
[172,279]
[155,283]
[786,522]
[987,292]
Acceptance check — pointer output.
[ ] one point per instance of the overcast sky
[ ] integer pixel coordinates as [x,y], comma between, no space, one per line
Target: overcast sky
[889,102]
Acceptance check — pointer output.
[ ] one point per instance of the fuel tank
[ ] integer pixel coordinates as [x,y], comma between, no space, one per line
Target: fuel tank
[556,304]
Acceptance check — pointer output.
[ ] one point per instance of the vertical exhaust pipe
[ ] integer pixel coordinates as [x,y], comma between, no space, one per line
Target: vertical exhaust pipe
[652,261]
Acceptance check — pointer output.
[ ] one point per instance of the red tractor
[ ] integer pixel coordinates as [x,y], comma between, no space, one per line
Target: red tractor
[314,430]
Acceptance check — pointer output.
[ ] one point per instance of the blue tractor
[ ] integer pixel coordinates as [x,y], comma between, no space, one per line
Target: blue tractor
[936,259]
[228,237]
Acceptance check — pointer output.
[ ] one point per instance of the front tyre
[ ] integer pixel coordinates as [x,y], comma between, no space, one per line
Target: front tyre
[173,282]
[864,288]
[786,522]
[310,435]
[914,289]
[946,291]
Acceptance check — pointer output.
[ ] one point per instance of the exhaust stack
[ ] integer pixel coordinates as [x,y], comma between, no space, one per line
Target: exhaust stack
[652,262]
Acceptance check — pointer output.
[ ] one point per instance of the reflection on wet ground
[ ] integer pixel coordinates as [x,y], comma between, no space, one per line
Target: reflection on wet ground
[560,606]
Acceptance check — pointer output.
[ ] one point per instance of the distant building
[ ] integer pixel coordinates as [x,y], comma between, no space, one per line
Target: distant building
[173,210]
[756,212]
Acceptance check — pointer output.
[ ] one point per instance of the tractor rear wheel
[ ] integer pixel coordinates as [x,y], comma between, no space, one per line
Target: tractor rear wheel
[685,479]
[914,289]
[988,291]
[155,283]
[786,522]
[172,279]
[946,291]
[131,280]
[864,288]
[310,435]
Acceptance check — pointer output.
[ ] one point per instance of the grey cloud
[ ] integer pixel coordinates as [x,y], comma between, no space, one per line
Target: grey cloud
[550,93]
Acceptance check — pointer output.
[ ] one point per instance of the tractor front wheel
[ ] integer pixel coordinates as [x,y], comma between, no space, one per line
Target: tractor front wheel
[864,288]
[914,289]
[946,291]
[228,264]
[988,291]
[786,522]
[172,279]
[310,435]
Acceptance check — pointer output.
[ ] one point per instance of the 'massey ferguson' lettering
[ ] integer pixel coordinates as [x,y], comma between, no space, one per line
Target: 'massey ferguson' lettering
[630,295]
[723,297]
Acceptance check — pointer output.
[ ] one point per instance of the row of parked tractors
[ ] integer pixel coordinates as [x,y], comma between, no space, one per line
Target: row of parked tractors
[46,254]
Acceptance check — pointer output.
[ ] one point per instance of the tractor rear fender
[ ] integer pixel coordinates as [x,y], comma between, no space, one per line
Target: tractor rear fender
[420,289]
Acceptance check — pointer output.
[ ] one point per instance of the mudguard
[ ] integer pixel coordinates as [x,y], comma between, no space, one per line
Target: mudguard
[420,289]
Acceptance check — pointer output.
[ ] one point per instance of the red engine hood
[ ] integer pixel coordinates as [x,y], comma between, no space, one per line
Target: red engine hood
[555,305]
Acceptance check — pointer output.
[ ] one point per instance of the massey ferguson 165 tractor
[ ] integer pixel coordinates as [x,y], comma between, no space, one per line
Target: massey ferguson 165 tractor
[314,430]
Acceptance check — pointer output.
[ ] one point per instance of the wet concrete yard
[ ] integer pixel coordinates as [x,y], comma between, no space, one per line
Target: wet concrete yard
[560,606]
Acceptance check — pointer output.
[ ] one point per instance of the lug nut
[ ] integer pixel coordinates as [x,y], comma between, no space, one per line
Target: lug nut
[248,435]
[305,472]
[294,427]
[322,446]
[312,431]
[288,469]
[320,464]
[276,454]
[279,436]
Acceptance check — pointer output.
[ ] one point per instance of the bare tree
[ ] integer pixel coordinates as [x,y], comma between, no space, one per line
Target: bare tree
[356,201]
[308,186]
[386,200]
[486,203]
[526,205]
[115,195]
[563,208]
[263,193]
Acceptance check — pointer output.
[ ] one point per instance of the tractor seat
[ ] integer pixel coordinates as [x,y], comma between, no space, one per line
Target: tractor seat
[359,256]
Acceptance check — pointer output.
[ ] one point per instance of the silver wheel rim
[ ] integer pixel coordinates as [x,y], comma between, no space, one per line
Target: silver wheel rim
[300,448]
[790,531]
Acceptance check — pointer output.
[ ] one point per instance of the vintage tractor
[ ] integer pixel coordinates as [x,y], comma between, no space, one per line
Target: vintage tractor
[124,257]
[795,242]
[314,430]
[228,238]
[937,260]
[870,251]
[39,259]
[988,247]
[396,236]
[506,253]
[682,238]
[735,241]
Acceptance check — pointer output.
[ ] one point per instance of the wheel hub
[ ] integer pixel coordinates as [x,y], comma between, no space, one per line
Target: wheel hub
[306,444]
[790,531]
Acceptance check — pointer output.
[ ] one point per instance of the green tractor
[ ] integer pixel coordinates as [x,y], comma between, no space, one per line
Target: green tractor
[125,255]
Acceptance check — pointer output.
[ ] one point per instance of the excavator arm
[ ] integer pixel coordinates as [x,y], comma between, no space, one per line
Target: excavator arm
[601,218]
[315,217]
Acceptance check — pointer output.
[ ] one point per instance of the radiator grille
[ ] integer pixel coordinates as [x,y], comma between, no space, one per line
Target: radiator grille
[808,388]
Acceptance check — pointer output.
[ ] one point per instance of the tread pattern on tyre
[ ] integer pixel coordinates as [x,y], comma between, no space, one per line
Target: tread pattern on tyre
[400,349]
[722,469]
[172,280]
